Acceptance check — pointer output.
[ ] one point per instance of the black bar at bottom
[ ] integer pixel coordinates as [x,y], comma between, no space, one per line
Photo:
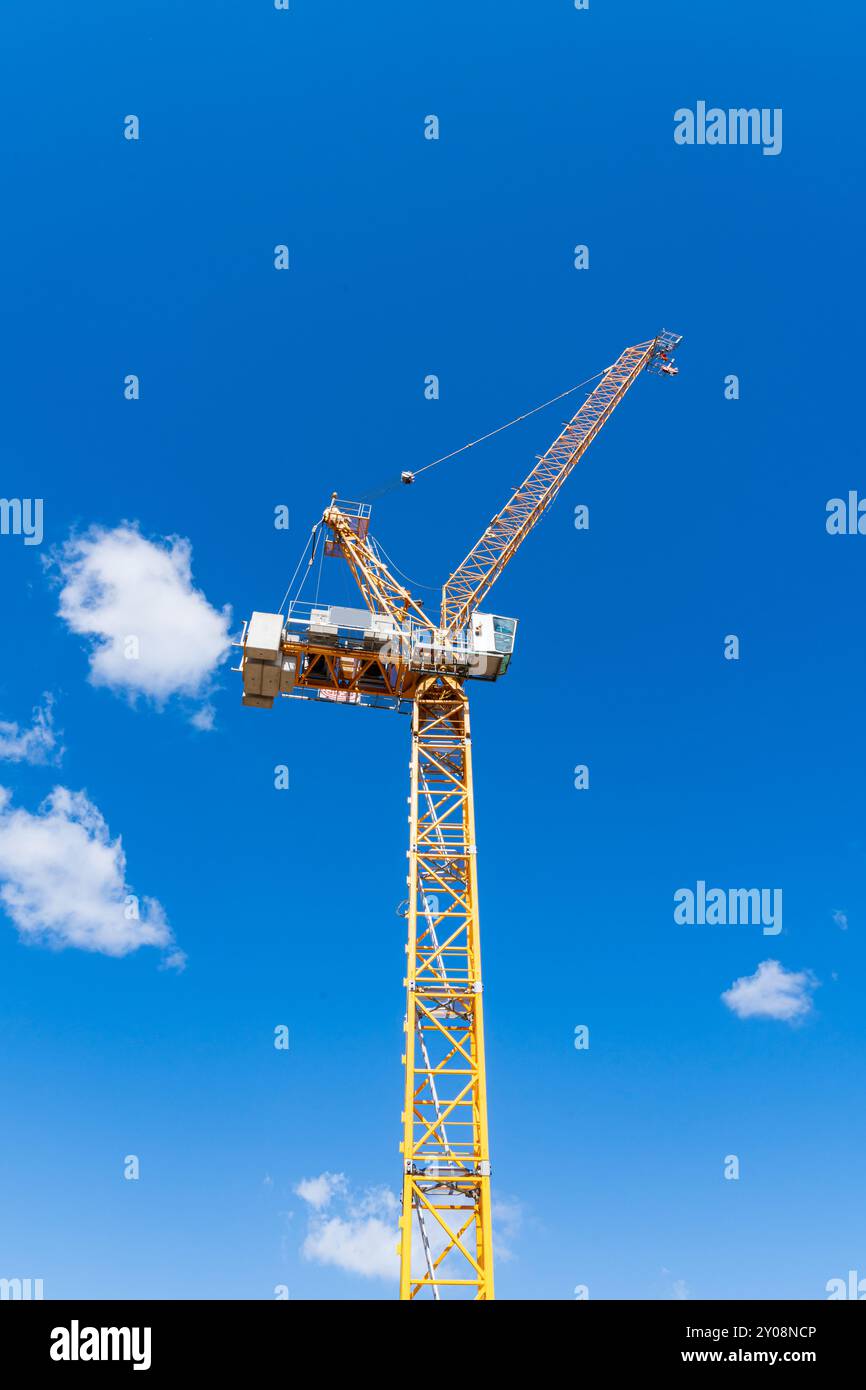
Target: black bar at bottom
[156,1339]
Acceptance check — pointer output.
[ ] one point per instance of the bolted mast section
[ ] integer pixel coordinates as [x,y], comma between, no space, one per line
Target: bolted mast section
[445,1228]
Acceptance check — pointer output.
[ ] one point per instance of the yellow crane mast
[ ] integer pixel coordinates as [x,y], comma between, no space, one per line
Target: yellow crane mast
[390,653]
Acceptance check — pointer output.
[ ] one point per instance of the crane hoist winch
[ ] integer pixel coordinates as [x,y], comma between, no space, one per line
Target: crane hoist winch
[390,653]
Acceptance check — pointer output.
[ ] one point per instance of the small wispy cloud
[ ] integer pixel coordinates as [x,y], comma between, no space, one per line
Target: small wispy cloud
[772,992]
[203,719]
[674,1288]
[507,1219]
[318,1192]
[841,919]
[36,744]
[355,1234]
[174,960]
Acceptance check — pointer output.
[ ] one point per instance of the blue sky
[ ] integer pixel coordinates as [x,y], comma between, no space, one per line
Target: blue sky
[707,517]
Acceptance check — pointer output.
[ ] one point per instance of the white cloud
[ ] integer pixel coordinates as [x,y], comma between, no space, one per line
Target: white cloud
[203,719]
[772,992]
[679,1289]
[175,960]
[63,879]
[841,920]
[360,1236]
[38,744]
[152,632]
[367,1247]
[507,1220]
[319,1191]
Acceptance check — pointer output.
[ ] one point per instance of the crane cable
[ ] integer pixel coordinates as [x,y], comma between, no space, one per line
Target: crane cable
[516,421]
[418,471]
[434,588]
[312,537]
[480,440]
[409,476]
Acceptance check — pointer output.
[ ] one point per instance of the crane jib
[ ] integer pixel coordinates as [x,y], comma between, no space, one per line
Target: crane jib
[469,583]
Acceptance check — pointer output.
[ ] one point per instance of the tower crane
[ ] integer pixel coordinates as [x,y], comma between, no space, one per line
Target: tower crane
[390,653]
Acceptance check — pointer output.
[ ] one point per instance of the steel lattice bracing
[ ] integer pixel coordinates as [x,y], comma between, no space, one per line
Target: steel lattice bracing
[445,1244]
[487,559]
[382,593]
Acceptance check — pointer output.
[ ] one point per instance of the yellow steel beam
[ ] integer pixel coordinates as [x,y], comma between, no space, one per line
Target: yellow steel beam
[382,592]
[445,1228]
[467,586]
